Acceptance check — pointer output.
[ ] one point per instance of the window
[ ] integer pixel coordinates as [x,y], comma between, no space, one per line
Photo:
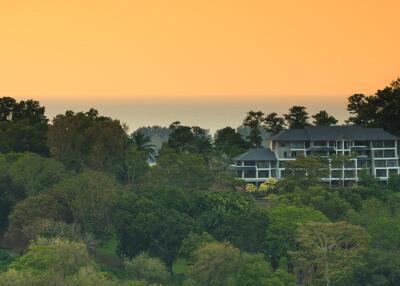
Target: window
[381,173]
[263,174]
[389,153]
[249,163]
[378,153]
[380,163]
[273,173]
[239,174]
[391,163]
[320,143]
[363,164]
[377,144]
[339,145]
[336,173]
[349,173]
[262,164]
[273,164]
[249,173]
[332,143]
[361,143]
[389,144]
[297,145]
[283,144]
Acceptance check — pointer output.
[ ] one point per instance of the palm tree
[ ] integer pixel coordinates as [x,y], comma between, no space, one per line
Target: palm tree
[143,143]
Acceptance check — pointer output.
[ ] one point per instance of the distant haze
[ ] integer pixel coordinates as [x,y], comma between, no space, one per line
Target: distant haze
[208,113]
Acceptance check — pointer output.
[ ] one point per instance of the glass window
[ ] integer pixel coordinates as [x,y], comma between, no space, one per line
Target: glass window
[339,145]
[378,153]
[363,164]
[249,173]
[361,143]
[336,173]
[349,173]
[389,144]
[381,172]
[297,145]
[283,144]
[273,173]
[263,164]
[319,143]
[377,144]
[389,153]
[273,164]
[263,174]
[249,163]
[391,163]
[380,163]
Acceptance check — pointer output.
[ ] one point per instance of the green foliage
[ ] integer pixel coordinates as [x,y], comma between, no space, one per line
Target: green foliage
[297,117]
[322,118]
[146,268]
[189,139]
[181,171]
[32,215]
[254,120]
[192,243]
[328,250]
[378,110]
[229,142]
[36,174]
[144,226]
[281,233]
[90,197]
[92,141]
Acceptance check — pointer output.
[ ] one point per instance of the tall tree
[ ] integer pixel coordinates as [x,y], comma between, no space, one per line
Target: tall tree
[23,126]
[189,138]
[254,120]
[228,141]
[273,123]
[84,140]
[297,117]
[322,118]
[379,110]
[143,143]
[330,250]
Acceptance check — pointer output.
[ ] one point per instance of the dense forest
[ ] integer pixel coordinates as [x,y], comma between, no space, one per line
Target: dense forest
[81,205]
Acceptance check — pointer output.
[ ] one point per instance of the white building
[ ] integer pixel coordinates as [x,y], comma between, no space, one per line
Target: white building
[370,149]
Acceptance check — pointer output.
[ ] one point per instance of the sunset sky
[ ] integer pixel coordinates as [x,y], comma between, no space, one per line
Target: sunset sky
[203,62]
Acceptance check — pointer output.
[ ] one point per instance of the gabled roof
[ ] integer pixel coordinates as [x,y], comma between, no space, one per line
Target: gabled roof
[327,133]
[257,154]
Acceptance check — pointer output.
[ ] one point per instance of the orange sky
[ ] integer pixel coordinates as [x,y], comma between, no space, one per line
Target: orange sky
[218,50]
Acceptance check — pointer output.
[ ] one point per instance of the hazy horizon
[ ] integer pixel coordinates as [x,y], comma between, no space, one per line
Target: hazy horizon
[207,113]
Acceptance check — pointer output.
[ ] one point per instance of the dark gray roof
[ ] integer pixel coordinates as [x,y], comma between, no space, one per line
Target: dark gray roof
[257,154]
[325,133]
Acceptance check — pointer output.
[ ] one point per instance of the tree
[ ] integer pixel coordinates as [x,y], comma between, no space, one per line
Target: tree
[144,226]
[330,250]
[378,110]
[229,142]
[185,171]
[35,174]
[143,143]
[281,232]
[90,197]
[254,121]
[135,165]
[219,264]
[190,139]
[84,140]
[53,260]
[273,123]
[216,265]
[322,118]
[297,117]
[192,243]
[30,216]
[23,126]
[149,269]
